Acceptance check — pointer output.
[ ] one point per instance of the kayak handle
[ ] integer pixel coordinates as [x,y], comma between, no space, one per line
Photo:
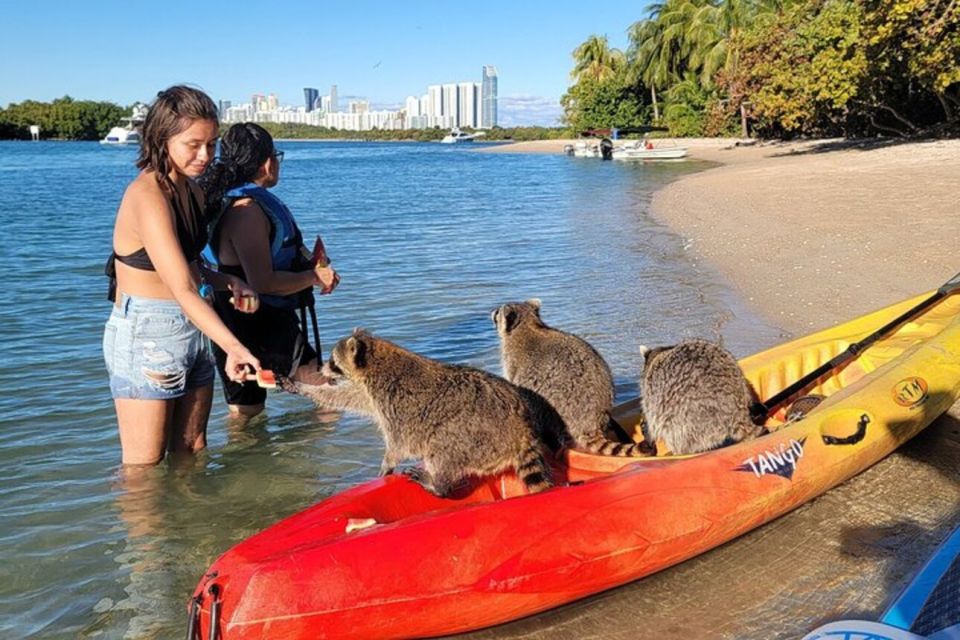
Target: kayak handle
[860,433]
[214,592]
[193,618]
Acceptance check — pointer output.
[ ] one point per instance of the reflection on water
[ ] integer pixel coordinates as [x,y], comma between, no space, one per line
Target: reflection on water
[427,240]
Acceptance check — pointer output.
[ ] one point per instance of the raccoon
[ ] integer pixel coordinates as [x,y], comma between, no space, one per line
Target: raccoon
[695,397]
[461,421]
[566,372]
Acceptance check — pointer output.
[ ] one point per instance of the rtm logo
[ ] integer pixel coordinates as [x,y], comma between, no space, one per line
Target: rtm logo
[781,461]
[910,392]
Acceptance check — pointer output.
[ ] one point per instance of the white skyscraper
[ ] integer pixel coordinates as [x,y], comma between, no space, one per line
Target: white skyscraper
[412,106]
[435,101]
[451,103]
[488,97]
[467,105]
[334,105]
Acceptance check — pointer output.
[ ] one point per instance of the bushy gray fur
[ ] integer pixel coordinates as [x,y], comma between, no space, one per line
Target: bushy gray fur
[459,420]
[565,371]
[695,397]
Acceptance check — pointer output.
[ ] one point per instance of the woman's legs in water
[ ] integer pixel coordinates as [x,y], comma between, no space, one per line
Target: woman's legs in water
[144,428]
[191,414]
[149,428]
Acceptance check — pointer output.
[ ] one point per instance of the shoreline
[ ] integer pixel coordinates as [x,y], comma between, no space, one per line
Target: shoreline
[814,219]
[810,234]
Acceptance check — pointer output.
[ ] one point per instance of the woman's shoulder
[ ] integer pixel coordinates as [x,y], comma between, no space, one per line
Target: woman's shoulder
[145,190]
[243,213]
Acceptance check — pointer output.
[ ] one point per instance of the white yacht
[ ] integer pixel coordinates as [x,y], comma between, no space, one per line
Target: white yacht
[128,132]
[456,136]
[121,135]
[644,150]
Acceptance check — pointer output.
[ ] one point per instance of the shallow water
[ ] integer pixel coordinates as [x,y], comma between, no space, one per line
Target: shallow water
[427,239]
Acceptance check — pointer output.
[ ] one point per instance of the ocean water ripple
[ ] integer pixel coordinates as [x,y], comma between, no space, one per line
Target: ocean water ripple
[427,239]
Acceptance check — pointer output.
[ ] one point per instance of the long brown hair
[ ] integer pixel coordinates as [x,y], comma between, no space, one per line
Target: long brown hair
[171,113]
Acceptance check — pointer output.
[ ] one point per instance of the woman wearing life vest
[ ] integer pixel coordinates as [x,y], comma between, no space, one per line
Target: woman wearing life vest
[161,372]
[255,237]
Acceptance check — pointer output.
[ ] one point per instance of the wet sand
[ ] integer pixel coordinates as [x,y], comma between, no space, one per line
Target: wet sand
[811,234]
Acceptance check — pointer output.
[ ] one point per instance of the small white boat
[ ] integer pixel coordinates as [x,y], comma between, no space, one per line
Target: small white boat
[644,150]
[457,136]
[584,150]
[127,132]
[121,136]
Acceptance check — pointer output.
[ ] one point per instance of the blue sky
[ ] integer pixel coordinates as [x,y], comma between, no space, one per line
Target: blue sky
[379,50]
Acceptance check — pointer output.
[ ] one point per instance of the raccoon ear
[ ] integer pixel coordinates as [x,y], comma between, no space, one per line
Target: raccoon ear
[494,314]
[645,351]
[536,304]
[358,350]
[510,320]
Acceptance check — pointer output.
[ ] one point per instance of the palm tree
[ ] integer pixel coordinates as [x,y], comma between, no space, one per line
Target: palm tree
[681,36]
[657,48]
[596,60]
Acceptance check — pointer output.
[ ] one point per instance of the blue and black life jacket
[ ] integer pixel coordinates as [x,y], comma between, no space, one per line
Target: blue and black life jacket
[286,241]
[287,252]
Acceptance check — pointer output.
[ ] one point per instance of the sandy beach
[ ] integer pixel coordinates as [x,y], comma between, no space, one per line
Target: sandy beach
[810,234]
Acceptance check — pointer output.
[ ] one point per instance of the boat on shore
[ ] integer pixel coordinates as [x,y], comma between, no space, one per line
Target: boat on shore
[456,136]
[128,133]
[645,150]
[387,559]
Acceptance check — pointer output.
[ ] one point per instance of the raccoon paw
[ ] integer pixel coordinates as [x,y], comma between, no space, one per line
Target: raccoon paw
[288,384]
[417,474]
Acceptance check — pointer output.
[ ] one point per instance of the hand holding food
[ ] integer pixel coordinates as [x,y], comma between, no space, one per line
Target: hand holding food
[244,299]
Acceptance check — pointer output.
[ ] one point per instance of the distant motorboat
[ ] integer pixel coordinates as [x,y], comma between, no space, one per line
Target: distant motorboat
[644,150]
[121,136]
[583,149]
[457,136]
[128,132]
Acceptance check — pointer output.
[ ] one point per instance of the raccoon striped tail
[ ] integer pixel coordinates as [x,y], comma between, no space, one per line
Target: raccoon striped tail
[599,444]
[533,470]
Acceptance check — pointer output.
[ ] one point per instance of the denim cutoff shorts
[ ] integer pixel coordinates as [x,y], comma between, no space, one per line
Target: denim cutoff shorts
[153,352]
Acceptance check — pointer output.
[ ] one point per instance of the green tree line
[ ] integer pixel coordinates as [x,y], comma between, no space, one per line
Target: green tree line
[63,119]
[790,67]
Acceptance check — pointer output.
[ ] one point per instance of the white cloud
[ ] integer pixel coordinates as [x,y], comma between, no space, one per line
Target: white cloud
[519,111]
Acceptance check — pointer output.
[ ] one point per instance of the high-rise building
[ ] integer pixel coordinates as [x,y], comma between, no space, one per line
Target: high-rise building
[310,98]
[272,102]
[488,109]
[222,108]
[434,101]
[451,103]
[412,106]
[334,108]
[467,105]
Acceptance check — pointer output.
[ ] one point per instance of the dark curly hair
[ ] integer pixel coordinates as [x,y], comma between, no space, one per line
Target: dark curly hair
[172,112]
[243,150]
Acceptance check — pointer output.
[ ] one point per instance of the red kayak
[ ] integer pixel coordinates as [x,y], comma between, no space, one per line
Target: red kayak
[387,559]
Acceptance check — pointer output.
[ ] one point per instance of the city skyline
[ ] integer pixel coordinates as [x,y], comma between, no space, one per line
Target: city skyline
[109,50]
[470,105]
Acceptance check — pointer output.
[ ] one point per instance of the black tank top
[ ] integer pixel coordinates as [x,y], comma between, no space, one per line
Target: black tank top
[191,235]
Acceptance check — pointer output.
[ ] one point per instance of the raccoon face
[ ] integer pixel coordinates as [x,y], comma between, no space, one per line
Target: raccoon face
[349,356]
[511,315]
